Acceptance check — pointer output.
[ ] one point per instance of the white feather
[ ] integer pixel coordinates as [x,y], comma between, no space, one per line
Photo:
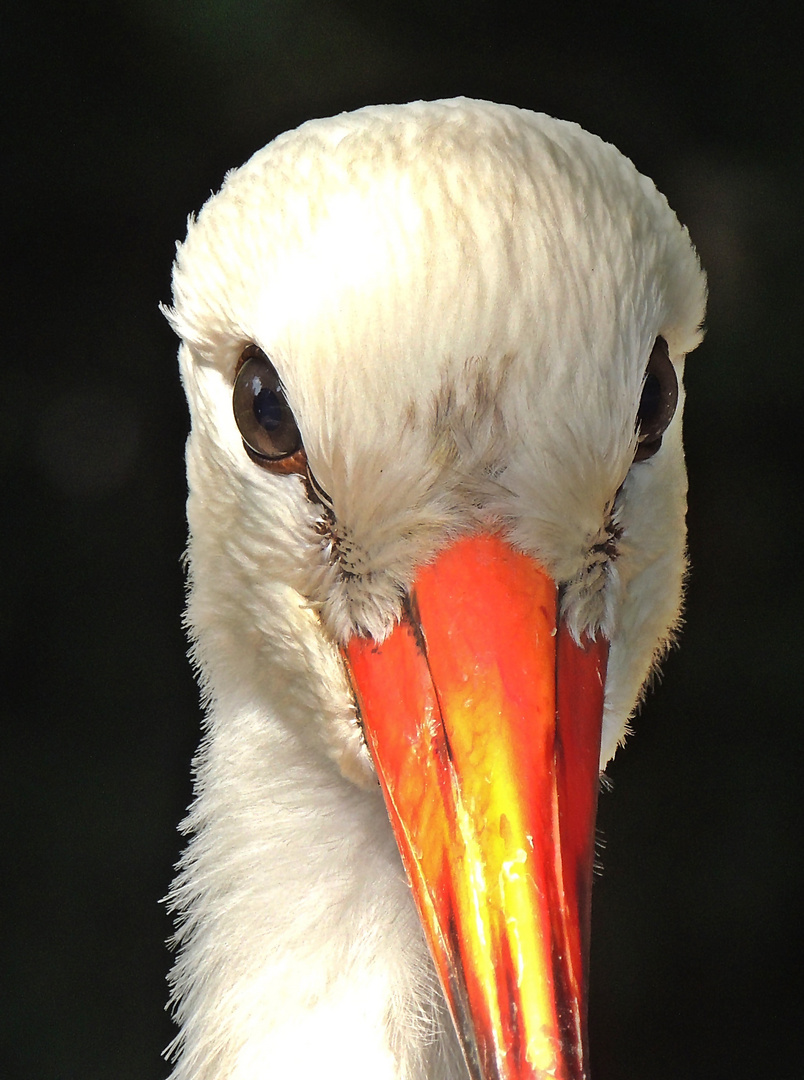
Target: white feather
[460,299]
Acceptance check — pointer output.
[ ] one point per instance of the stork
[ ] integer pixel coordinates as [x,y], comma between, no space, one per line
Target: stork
[433,357]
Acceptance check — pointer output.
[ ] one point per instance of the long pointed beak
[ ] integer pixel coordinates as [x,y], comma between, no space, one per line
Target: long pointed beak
[483,717]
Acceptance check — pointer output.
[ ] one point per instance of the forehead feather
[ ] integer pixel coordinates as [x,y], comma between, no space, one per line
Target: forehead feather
[434,203]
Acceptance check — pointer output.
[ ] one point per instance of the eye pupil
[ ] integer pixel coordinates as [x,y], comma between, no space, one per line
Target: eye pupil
[267,409]
[262,414]
[650,401]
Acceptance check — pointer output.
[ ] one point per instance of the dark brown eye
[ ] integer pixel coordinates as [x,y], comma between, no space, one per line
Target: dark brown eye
[268,427]
[658,402]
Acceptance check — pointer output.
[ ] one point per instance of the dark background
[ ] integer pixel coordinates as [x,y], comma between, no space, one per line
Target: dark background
[123,117]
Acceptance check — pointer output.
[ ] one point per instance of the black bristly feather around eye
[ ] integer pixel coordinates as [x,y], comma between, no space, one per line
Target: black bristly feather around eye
[269,429]
[657,404]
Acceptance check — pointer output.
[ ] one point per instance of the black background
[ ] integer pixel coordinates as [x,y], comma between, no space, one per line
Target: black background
[123,117]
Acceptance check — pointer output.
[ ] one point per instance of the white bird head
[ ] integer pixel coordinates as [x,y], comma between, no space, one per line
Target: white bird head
[454,334]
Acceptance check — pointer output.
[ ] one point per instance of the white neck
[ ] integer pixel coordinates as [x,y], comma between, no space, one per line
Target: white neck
[302,954]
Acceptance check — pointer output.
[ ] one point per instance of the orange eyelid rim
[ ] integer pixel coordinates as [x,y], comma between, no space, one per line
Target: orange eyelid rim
[293,463]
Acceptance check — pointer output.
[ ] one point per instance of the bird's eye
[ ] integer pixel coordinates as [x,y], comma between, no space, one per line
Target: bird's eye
[658,402]
[268,427]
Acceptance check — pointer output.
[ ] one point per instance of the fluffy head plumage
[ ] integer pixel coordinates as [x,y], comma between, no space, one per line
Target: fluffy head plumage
[460,299]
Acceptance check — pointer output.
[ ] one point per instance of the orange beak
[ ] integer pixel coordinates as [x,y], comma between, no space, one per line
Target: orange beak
[483,717]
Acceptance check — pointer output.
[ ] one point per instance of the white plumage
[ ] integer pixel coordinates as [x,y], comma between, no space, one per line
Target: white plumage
[460,300]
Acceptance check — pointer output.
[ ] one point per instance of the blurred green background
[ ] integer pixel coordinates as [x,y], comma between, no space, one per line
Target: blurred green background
[122,117]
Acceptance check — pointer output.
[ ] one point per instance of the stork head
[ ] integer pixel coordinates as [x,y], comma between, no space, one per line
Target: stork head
[433,355]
